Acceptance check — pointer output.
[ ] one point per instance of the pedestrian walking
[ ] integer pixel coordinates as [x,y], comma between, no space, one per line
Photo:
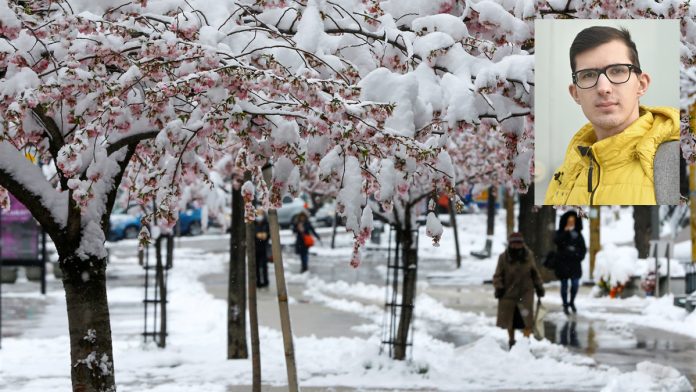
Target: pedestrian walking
[570,251]
[304,239]
[515,280]
[263,234]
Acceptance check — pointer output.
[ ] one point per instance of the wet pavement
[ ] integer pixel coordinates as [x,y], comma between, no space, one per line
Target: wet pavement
[623,346]
[610,343]
[613,344]
[618,345]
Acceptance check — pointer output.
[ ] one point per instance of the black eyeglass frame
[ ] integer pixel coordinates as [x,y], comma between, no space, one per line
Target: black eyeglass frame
[603,71]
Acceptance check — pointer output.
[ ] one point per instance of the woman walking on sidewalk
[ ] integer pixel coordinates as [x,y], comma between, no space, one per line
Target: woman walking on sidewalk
[303,239]
[515,280]
[570,251]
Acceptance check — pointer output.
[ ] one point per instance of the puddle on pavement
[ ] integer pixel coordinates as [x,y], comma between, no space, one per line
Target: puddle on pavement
[623,346]
[612,344]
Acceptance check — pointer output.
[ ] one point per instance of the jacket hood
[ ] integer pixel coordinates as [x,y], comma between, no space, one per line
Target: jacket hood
[564,221]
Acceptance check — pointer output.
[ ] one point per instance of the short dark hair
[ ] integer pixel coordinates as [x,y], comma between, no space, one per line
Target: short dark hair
[595,36]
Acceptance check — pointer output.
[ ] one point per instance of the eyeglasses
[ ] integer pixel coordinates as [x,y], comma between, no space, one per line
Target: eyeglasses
[615,73]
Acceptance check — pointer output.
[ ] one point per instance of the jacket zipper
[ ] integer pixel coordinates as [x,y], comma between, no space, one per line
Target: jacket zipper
[589,176]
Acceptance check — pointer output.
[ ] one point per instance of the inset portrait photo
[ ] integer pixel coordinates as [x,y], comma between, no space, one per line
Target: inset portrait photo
[606,112]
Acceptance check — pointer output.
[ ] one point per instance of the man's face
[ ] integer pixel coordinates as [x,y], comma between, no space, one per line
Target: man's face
[609,107]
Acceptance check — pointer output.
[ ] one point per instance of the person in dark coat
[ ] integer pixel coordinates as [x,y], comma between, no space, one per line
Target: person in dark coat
[263,234]
[300,228]
[570,251]
[515,280]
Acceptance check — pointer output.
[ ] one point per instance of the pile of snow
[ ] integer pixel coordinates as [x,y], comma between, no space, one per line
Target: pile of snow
[650,376]
[616,264]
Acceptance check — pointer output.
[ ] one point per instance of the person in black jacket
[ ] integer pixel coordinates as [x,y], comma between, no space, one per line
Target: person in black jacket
[570,252]
[263,234]
[301,228]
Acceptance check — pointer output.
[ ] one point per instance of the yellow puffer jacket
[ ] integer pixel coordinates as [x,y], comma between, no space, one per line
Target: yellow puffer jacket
[619,168]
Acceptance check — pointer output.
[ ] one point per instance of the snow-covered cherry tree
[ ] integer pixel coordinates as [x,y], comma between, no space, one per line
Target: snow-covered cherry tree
[461,80]
[149,95]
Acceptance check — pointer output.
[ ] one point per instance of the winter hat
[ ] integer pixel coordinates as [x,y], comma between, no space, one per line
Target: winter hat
[516,237]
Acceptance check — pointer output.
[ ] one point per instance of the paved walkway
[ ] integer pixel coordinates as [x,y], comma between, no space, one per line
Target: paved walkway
[21,313]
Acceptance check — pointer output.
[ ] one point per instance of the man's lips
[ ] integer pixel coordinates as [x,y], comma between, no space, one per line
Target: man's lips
[604,105]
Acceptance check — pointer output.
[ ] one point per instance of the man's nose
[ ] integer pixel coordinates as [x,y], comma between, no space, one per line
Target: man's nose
[604,86]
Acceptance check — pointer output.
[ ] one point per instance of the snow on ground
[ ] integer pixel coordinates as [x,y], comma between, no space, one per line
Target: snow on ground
[486,363]
[195,355]
[616,239]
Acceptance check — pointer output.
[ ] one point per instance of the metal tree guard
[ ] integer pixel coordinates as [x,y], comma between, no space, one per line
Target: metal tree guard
[156,292]
[393,302]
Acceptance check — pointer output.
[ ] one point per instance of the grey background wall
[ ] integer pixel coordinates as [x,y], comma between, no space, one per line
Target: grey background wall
[557,116]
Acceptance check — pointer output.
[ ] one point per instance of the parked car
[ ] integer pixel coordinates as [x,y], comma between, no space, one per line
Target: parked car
[125,224]
[324,216]
[290,209]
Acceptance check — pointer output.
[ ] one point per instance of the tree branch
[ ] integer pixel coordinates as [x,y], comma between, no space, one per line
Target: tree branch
[111,195]
[33,203]
[130,139]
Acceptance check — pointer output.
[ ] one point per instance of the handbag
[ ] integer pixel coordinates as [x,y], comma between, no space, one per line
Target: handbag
[308,240]
[538,327]
[550,260]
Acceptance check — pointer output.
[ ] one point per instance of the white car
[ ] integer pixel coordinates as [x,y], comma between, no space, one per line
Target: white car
[290,209]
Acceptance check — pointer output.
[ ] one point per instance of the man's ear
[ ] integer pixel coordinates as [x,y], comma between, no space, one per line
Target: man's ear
[573,90]
[644,80]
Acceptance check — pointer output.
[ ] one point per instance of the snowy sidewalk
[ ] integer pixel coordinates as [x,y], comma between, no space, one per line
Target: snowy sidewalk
[337,327]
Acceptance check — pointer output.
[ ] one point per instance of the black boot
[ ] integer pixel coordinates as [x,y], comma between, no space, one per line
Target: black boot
[565,310]
[572,307]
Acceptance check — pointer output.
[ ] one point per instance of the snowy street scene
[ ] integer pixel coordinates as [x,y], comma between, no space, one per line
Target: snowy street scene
[339,196]
[338,317]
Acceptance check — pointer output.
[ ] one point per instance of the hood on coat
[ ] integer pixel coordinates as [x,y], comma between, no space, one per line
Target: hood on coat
[564,220]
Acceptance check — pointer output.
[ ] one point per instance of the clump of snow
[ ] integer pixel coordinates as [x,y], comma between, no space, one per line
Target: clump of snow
[446,23]
[663,307]
[433,228]
[616,264]
[331,162]
[425,45]
[649,376]
[310,28]
[492,13]
[459,99]
[381,85]
[350,197]
[387,180]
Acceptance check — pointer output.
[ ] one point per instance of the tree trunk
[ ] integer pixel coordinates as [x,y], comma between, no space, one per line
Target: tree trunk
[236,291]
[285,325]
[91,354]
[595,232]
[537,228]
[253,310]
[510,212]
[335,229]
[408,294]
[283,307]
[162,288]
[453,222]
[642,230]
